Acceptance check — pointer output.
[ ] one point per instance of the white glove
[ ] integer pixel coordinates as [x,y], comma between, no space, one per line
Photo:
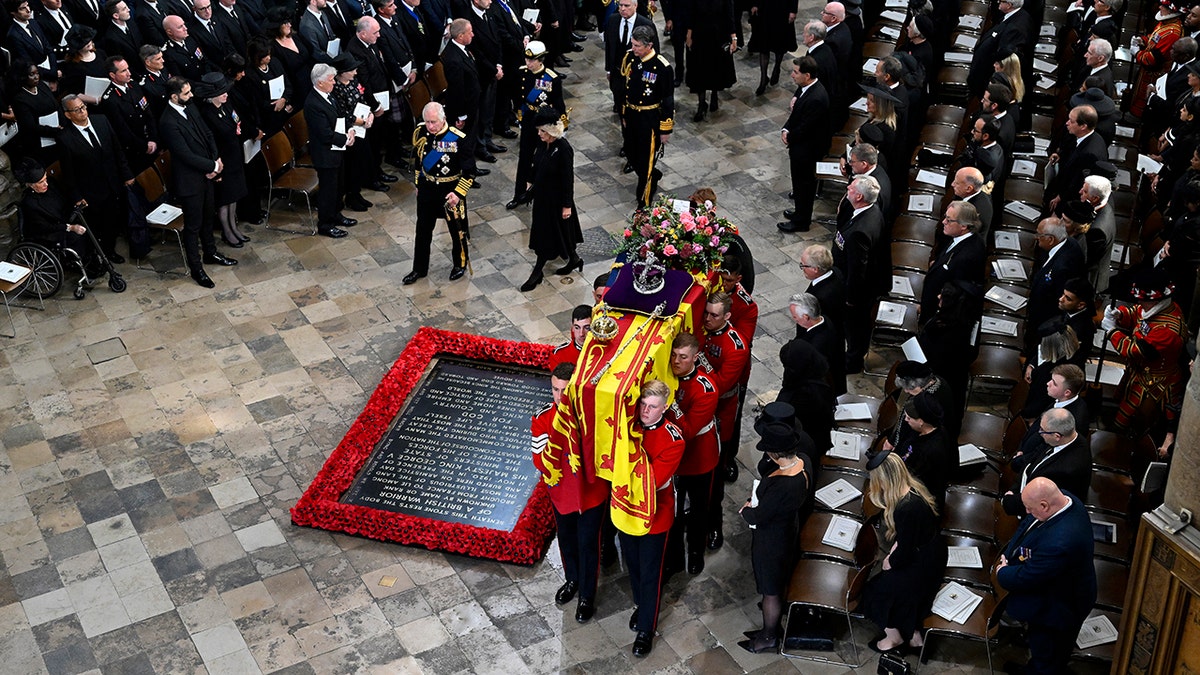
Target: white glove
[1110,319]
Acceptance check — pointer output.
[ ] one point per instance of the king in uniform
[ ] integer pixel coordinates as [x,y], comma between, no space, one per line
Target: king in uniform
[441,191]
[647,85]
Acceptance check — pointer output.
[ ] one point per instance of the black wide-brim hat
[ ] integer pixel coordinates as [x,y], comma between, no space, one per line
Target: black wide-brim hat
[779,438]
[778,411]
[211,85]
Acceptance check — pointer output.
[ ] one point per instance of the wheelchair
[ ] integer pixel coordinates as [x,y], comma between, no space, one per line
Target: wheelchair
[49,263]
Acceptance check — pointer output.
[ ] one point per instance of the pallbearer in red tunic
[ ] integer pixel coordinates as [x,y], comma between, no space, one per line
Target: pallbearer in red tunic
[694,412]
[728,354]
[578,530]
[745,320]
[663,444]
[568,352]
[1151,337]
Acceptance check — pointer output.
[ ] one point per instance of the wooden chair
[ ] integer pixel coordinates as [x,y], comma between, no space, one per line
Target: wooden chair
[812,546]
[911,256]
[970,514]
[277,151]
[946,115]
[916,229]
[982,626]
[54,171]
[435,77]
[1109,493]
[1009,341]
[996,366]
[852,508]
[981,478]
[1104,653]
[867,426]
[418,97]
[1026,243]
[890,334]
[162,164]
[296,129]
[1112,579]
[916,280]
[1122,549]
[976,578]
[983,430]
[154,190]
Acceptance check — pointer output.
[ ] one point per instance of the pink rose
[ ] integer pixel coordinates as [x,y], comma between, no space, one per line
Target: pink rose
[715,241]
[670,249]
[708,231]
[702,221]
[628,233]
[688,226]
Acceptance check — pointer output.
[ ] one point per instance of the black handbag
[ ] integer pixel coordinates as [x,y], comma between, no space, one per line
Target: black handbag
[893,664]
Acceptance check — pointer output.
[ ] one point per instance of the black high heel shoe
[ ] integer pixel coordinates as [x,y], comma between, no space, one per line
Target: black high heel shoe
[714,103]
[232,244]
[243,237]
[574,264]
[532,282]
[762,87]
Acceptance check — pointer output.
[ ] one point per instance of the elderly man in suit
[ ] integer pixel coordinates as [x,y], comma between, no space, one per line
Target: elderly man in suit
[814,329]
[1010,35]
[463,90]
[963,257]
[327,146]
[1064,458]
[1096,191]
[1047,569]
[967,186]
[374,79]
[195,164]
[1058,259]
[85,144]
[857,246]
[806,135]
[813,37]
[826,285]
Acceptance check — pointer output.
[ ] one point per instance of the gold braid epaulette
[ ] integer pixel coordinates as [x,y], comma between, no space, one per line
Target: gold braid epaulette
[418,152]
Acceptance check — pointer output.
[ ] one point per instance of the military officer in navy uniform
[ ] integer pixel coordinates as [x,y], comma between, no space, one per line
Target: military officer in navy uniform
[539,86]
[646,85]
[441,190]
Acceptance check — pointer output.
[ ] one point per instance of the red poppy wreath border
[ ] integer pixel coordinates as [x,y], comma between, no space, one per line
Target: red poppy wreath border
[319,506]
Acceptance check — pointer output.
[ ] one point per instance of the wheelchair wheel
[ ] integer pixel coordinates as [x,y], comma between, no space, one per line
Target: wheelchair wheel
[47,274]
[116,283]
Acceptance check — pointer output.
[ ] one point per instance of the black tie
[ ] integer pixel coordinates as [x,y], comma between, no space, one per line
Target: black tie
[211,28]
[92,137]
[64,22]
[328,30]
[624,34]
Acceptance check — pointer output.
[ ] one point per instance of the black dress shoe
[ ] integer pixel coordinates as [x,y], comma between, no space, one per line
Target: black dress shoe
[621,152]
[643,643]
[695,563]
[457,273]
[791,195]
[201,278]
[509,133]
[585,610]
[566,592]
[628,168]
[571,266]
[379,186]
[790,214]
[357,203]
[532,282]
[575,48]
[388,178]
[332,232]
[633,620]
[496,147]
[411,278]
[347,222]
[789,226]
[218,259]
[563,61]
[731,472]
[485,156]
[482,172]
[115,258]
[515,202]
[716,539]
[577,37]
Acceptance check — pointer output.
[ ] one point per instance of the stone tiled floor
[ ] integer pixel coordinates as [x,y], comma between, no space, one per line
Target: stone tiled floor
[152,443]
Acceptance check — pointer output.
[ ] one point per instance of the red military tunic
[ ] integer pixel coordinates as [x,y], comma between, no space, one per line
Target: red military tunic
[745,321]
[1154,58]
[696,403]
[1152,348]
[729,356]
[567,352]
[664,445]
[594,493]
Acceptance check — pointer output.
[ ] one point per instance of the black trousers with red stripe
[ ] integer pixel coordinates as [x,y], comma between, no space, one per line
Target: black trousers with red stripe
[579,543]
[644,559]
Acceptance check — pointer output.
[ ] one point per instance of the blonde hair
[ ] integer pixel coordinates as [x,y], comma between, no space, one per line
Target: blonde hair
[655,388]
[890,483]
[885,111]
[1011,66]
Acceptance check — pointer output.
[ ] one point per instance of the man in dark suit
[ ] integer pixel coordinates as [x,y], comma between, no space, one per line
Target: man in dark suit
[856,248]
[26,42]
[204,30]
[1064,458]
[462,92]
[316,31]
[838,37]
[487,48]
[195,164]
[1063,390]
[87,12]
[806,135]
[828,72]
[983,151]
[85,144]
[1081,149]
[962,258]
[1162,106]
[149,19]
[128,109]
[327,146]
[995,102]
[377,85]
[341,18]
[1011,35]
[119,35]
[826,285]
[967,186]
[183,54]
[1058,259]
[618,32]
[1096,64]
[424,36]
[55,21]
[814,329]
[864,161]
[236,23]
[1049,573]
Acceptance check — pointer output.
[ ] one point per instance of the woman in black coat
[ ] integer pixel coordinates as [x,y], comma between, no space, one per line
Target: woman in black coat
[212,92]
[32,101]
[924,446]
[711,42]
[263,72]
[772,31]
[555,231]
[776,520]
[899,594]
[806,387]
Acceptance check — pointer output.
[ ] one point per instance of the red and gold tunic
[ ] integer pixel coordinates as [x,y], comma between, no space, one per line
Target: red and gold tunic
[567,352]
[696,403]
[664,445]
[1154,58]
[592,494]
[1153,381]
[729,356]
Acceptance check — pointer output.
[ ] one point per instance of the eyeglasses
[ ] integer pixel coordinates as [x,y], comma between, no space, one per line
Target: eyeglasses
[948,219]
[1048,433]
[81,108]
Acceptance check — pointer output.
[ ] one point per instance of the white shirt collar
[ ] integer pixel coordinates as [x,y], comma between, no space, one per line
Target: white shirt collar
[821,278]
[1055,249]
[858,211]
[954,242]
[1063,404]
[177,107]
